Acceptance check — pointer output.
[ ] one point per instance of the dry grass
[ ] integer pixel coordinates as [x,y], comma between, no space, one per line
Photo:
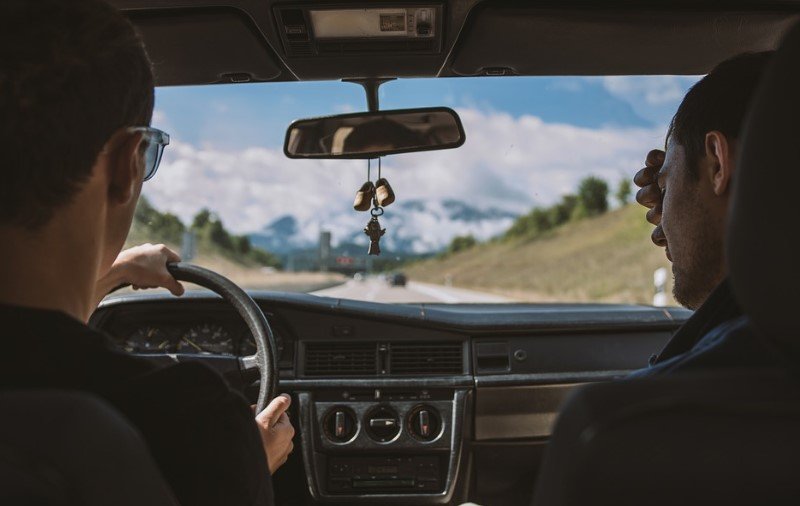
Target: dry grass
[259,278]
[609,258]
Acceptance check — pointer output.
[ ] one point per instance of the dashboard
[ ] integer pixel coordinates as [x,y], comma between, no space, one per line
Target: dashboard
[213,330]
[405,404]
[203,337]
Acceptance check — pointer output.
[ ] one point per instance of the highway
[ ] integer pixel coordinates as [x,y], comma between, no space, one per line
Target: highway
[376,289]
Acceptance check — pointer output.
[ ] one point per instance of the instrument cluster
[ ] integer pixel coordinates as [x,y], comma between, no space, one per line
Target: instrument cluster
[204,338]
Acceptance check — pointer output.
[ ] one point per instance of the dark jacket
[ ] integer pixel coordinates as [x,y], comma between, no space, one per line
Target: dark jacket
[717,335]
[201,433]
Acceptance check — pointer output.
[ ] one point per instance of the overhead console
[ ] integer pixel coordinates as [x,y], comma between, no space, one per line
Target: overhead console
[309,31]
[315,33]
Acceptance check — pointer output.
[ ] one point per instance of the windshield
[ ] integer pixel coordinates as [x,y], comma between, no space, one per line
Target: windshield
[536,206]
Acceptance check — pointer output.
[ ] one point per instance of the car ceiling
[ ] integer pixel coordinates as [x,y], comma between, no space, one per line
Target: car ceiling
[214,41]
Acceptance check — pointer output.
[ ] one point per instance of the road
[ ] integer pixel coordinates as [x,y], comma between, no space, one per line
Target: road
[375,289]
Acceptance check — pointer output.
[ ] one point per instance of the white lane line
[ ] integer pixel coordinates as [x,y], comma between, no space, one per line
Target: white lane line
[434,292]
[334,290]
[455,295]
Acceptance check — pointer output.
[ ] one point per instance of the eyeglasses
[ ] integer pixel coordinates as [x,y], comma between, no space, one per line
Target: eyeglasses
[156,140]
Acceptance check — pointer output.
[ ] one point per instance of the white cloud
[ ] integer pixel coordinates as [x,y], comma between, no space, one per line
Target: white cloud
[653,90]
[507,162]
[344,108]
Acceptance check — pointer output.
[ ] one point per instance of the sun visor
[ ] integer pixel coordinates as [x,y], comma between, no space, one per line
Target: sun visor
[507,40]
[205,46]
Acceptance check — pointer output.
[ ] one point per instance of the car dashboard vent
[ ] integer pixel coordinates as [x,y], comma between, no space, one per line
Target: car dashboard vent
[341,359]
[426,358]
[384,359]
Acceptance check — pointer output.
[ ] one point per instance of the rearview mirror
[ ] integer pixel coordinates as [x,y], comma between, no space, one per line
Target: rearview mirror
[374,134]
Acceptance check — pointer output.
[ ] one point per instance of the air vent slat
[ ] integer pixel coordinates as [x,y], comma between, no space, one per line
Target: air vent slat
[341,359]
[426,358]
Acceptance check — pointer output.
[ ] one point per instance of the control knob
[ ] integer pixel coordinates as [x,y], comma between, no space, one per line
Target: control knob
[424,423]
[340,424]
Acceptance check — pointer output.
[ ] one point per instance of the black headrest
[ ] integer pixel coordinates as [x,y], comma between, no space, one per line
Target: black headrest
[763,230]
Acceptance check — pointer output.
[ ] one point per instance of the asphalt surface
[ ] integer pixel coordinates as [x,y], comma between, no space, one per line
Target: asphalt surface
[376,289]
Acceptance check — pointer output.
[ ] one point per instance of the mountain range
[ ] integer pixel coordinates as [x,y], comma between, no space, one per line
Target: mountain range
[413,227]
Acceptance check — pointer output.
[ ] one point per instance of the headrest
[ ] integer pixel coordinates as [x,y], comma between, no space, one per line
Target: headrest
[763,230]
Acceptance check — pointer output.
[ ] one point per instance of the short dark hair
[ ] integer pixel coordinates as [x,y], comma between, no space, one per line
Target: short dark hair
[71,74]
[719,102]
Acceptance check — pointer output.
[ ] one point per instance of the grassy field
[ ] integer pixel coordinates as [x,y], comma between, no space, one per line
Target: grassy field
[608,258]
[250,275]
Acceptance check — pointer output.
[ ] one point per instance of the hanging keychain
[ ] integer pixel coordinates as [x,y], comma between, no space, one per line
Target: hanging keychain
[373,228]
[374,231]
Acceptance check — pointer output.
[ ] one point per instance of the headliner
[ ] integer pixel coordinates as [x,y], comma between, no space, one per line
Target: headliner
[199,42]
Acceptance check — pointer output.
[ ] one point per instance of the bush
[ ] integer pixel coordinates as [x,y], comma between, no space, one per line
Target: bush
[591,200]
[161,227]
[461,243]
[592,196]
[562,212]
[624,192]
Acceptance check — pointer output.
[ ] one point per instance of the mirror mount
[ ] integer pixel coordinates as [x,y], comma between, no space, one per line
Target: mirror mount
[371,86]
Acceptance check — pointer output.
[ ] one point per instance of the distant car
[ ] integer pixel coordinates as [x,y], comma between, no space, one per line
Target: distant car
[397,279]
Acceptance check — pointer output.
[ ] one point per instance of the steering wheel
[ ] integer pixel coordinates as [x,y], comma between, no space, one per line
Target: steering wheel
[264,359]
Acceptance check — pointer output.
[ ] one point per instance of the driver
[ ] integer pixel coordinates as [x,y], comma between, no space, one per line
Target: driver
[76,100]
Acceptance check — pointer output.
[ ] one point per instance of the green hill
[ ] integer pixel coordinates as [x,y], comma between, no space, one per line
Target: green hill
[607,258]
[211,238]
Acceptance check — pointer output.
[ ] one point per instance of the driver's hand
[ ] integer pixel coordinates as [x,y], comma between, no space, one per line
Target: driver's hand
[649,194]
[276,431]
[145,266]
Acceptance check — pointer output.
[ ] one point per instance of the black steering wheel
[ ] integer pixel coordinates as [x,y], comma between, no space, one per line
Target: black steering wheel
[264,359]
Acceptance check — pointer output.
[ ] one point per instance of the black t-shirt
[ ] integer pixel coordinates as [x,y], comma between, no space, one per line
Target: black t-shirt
[201,433]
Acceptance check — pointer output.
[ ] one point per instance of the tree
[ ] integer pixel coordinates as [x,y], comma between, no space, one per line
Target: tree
[164,227]
[242,244]
[592,197]
[531,224]
[461,243]
[624,192]
[201,219]
[562,212]
[218,235]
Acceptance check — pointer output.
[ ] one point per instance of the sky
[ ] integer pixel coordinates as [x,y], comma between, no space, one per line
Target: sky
[529,140]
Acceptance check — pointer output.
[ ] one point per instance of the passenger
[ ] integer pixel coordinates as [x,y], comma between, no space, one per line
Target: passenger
[76,101]
[688,189]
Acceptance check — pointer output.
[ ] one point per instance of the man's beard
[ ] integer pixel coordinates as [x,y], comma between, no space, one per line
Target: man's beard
[703,271]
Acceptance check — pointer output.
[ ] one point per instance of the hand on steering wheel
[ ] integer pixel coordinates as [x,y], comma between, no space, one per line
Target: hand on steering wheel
[264,358]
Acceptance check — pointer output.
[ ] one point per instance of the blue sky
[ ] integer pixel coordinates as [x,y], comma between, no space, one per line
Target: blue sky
[529,141]
[246,115]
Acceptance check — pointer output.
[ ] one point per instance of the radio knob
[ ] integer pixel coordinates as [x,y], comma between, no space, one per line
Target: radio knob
[424,423]
[340,424]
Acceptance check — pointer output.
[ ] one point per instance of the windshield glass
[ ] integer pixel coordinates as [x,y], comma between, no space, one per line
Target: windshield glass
[536,206]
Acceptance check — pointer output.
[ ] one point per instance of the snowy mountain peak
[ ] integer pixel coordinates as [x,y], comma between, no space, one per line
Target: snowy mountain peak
[413,226]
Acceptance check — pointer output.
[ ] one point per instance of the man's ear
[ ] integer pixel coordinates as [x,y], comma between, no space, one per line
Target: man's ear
[125,169]
[720,155]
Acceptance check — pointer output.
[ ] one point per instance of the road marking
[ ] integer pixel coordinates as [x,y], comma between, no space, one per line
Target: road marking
[454,295]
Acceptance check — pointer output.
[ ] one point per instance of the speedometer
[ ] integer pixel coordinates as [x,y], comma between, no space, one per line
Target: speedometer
[207,338]
[147,340]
